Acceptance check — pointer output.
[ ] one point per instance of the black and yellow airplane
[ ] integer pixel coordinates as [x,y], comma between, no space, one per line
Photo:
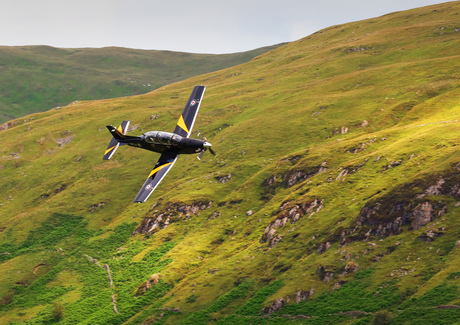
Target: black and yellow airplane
[170,145]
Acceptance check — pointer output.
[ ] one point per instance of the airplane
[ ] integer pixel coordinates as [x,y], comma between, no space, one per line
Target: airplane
[170,145]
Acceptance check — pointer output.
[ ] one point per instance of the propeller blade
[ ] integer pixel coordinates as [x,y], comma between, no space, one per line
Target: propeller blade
[206,146]
[200,155]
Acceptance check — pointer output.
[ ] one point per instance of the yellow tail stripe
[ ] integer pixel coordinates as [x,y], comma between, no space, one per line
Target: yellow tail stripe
[108,150]
[158,168]
[182,125]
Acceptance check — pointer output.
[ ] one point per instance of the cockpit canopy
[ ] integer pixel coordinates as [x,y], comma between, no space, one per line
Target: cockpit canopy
[160,137]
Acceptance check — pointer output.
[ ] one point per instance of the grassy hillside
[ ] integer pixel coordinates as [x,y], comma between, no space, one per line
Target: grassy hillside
[38,78]
[334,197]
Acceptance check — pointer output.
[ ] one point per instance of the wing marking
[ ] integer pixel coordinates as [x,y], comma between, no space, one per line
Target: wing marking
[158,168]
[187,119]
[182,125]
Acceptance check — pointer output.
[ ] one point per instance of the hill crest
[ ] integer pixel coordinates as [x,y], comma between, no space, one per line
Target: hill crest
[38,78]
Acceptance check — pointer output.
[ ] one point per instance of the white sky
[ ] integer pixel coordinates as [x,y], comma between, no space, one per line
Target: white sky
[197,26]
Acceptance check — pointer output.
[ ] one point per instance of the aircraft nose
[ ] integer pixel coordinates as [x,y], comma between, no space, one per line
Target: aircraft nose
[207,145]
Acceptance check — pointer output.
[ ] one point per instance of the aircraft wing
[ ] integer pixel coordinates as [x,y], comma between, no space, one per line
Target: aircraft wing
[187,119]
[164,164]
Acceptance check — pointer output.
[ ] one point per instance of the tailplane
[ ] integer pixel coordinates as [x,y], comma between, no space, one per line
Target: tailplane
[118,134]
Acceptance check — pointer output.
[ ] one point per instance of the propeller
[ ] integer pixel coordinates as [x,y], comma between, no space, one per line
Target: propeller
[206,146]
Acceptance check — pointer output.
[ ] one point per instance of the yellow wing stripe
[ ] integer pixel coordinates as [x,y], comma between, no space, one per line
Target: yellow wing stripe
[181,124]
[108,150]
[158,168]
[121,129]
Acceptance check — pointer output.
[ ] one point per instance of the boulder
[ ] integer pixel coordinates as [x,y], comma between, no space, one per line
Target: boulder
[423,215]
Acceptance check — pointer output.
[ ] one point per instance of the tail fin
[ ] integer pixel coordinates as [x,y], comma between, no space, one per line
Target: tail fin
[118,134]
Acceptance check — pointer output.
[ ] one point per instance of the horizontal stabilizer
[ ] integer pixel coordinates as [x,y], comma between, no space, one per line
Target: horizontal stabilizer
[113,146]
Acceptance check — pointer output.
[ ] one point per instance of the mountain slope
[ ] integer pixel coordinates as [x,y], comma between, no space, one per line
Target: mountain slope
[333,197]
[38,78]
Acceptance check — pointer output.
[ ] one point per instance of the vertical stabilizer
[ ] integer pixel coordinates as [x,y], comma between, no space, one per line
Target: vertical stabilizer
[118,134]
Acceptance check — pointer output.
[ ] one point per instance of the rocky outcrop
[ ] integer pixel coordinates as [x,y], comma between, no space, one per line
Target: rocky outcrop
[55,191]
[323,247]
[172,213]
[7,125]
[63,141]
[393,163]
[275,306]
[289,213]
[189,210]
[93,208]
[338,285]
[432,234]
[383,221]
[364,145]
[295,175]
[371,216]
[213,271]
[350,267]
[436,189]
[154,279]
[358,49]
[342,174]
[324,273]
[216,214]
[279,303]
[224,179]
[270,181]
[423,214]
[302,295]
[406,208]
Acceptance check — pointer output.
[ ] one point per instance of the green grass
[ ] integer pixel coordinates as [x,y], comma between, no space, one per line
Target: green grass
[276,125]
[39,78]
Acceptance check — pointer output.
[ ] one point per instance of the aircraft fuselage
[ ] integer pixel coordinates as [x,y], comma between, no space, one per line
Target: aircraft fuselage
[160,141]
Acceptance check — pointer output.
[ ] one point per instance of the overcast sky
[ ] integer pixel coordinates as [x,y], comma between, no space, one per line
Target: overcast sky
[197,26]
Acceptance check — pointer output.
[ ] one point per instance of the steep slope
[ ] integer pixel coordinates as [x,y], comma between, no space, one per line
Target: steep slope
[38,78]
[334,197]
